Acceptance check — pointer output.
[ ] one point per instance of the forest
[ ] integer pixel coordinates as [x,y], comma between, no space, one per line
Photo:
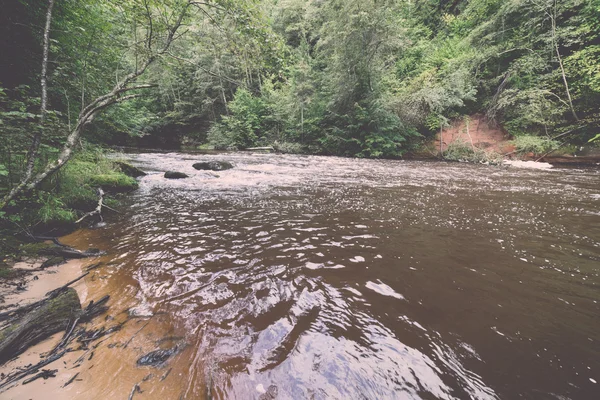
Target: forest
[299,199]
[368,78]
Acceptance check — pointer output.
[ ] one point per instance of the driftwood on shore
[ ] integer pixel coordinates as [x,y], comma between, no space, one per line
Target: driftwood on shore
[97,210]
[267,148]
[51,316]
[60,310]
[69,252]
[58,249]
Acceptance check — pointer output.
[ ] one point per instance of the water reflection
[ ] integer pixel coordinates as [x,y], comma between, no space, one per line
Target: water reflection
[310,277]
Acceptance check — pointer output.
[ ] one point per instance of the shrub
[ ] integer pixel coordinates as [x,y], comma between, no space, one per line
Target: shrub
[54,211]
[461,151]
[74,187]
[289,147]
[534,144]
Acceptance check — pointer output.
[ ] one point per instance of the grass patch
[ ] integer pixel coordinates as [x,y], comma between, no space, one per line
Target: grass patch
[72,190]
[114,182]
[7,272]
[54,211]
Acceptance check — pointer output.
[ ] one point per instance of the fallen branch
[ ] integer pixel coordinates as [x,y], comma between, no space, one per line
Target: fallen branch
[95,308]
[97,210]
[69,252]
[268,148]
[34,368]
[71,380]
[111,209]
[53,293]
[46,373]
[138,331]
[94,266]
[136,388]
[52,238]
[65,339]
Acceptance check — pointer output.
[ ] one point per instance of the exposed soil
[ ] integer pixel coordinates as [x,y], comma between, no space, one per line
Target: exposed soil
[478,132]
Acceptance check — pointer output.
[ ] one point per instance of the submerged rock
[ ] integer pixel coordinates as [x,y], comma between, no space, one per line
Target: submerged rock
[213,166]
[157,357]
[175,175]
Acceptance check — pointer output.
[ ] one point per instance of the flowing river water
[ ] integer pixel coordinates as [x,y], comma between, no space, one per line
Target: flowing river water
[295,277]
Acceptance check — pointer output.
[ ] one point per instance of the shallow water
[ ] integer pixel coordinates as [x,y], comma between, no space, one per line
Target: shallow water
[313,277]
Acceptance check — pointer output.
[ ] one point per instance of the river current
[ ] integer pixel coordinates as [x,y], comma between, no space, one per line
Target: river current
[304,277]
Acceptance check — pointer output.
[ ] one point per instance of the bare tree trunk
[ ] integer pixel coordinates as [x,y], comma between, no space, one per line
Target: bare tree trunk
[37,137]
[302,119]
[441,141]
[468,133]
[562,68]
[218,64]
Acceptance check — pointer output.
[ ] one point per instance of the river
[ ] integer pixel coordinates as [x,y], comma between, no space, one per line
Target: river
[304,277]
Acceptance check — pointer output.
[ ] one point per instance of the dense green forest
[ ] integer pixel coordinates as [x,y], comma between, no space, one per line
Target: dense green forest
[366,78]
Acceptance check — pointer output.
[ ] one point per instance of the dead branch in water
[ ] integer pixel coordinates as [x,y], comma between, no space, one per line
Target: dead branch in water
[53,293]
[34,368]
[46,373]
[71,380]
[136,388]
[97,210]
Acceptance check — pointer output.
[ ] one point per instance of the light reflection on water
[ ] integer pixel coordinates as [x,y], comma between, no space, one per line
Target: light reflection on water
[344,278]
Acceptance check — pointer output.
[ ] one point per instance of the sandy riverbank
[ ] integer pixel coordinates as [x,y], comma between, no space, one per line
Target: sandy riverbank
[106,368]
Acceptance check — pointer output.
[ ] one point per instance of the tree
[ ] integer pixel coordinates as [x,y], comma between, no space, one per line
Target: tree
[161,30]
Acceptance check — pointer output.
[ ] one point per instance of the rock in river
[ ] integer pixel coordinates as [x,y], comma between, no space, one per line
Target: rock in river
[175,175]
[213,165]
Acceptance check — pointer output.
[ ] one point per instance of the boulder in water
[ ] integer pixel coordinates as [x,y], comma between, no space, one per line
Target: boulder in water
[175,175]
[213,165]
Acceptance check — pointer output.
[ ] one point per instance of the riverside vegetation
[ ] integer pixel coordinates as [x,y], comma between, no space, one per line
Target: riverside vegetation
[352,78]
[343,77]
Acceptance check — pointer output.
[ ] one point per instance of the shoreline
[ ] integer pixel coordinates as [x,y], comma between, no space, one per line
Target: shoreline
[123,335]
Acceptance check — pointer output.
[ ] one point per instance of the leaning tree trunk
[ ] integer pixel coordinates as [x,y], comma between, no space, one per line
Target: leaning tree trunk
[562,68]
[37,136]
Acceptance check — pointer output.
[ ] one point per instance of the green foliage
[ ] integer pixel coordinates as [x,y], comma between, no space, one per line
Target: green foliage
[245,127]
[365,78]
[115,182]
[460,151]
[535,144]
[289,147]
[54,211]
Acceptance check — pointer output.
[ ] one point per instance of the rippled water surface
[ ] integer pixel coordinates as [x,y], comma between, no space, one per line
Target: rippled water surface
[295,277]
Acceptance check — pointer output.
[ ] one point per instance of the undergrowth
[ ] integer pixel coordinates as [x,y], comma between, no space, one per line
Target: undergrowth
[534,144]
[72,191]
[461,151]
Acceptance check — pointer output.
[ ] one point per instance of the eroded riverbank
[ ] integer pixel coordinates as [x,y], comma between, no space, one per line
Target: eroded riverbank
[342,278]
